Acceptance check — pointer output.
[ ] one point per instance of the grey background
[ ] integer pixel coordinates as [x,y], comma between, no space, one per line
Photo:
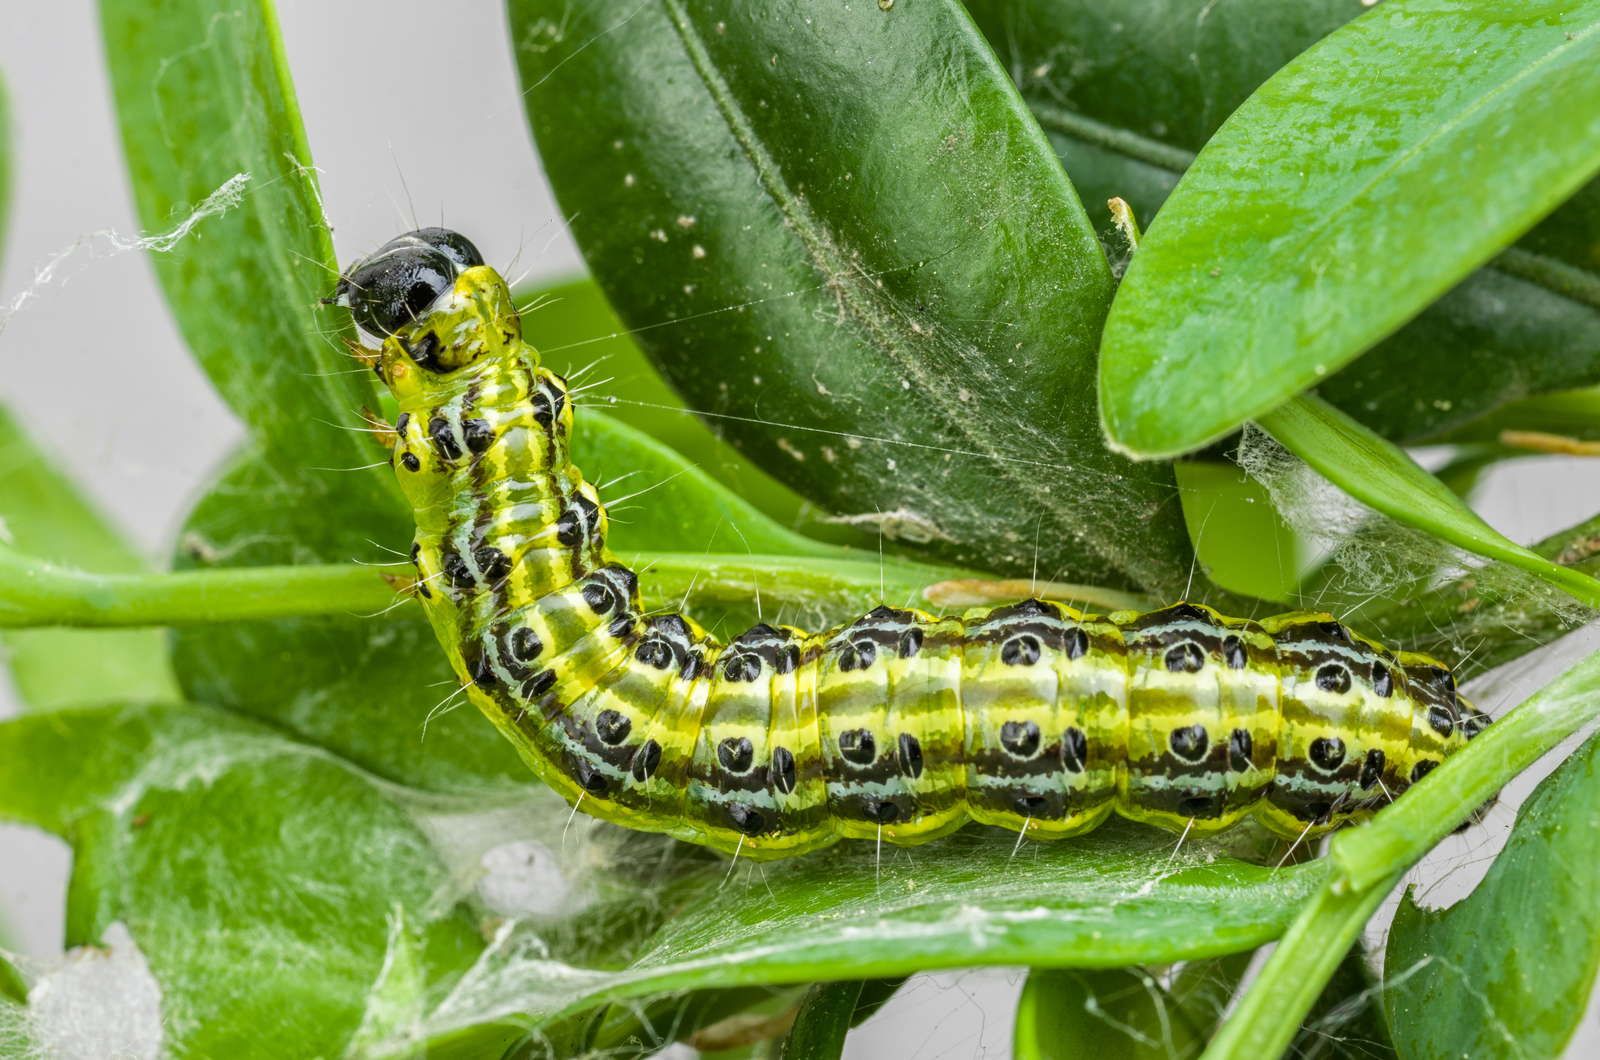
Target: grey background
[99,337]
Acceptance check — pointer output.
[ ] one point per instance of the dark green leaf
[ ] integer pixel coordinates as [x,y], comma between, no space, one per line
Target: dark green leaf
[823,1021]
[270,888]
[839,233]
[204,98]
[1496,337]
[1465,981]
[12,988]
[1290,217]
[43,514]
[1566,414]
[1382,476]
[1108,1015]
[714,1020]
[875,993]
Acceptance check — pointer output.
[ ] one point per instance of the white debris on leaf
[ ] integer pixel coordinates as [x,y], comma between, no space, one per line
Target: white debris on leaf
[103,1002]
[900,524]
[516,862]
[522,878]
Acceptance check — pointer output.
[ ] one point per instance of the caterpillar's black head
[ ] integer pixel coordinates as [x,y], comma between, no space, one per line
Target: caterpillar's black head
[397,285]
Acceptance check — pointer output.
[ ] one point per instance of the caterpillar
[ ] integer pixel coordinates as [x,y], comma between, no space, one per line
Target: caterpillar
[898,726]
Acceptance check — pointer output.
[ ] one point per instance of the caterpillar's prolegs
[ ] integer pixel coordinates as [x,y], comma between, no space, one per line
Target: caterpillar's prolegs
[899,726]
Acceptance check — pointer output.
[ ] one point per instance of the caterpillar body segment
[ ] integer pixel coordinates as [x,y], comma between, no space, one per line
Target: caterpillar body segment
[900,725]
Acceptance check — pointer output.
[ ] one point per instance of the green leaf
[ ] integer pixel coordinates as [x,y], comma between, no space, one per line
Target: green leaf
[43,513]
[1383,477]
[304,878]
[1202,990]
[1464,981]
[579,337]
[1104,900]
[1128,92]
[1111,1014]
[1495,338]
[1243,542]
[333,904]
[12,987]
[1571,414]
[670,504]
[824,1019]
[840,235]
[1257,278]
[1410,579]
[205,103]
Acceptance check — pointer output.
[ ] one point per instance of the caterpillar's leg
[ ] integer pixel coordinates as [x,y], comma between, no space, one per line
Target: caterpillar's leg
[368,356]
[381,430]
[403,584]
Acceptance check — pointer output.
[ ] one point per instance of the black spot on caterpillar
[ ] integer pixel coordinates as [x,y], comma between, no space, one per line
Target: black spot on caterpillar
[899,725]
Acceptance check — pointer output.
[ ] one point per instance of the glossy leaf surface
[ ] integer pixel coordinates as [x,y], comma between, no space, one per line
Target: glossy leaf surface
[841,236]
[1287,215]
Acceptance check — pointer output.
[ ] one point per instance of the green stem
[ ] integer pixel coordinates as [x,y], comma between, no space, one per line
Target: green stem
[35,593]
[1306,957]
[669,577]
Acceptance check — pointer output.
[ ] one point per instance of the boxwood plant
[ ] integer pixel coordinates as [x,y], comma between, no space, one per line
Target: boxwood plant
[879,323]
